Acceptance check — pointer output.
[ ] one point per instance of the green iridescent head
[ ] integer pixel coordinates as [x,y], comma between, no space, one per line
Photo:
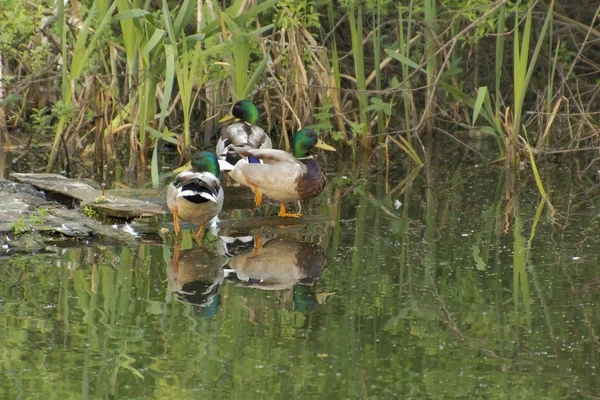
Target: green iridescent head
[205,161]
[246,111]
[305,140]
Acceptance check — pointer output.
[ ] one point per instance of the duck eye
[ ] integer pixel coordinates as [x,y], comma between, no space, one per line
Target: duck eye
[309,134]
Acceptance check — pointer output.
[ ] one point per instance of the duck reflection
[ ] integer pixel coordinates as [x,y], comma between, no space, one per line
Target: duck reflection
[280,263]
[195,275]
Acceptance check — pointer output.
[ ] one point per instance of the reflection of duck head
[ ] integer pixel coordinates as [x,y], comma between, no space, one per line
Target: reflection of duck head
[305,299]
[195,275]
[278,264]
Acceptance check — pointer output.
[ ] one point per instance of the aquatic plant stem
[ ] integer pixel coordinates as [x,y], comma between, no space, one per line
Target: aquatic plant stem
[356,27]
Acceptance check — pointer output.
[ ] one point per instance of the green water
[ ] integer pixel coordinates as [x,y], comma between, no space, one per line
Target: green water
[449,287]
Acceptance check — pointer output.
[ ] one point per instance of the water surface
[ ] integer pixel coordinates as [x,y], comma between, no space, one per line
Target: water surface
[454,282]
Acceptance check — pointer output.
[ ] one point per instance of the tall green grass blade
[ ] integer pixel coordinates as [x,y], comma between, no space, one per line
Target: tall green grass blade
[184,64]
[240,57]
[241,19]
[154,166]
[430,51]
[536,174]
[130,14]
[482,93]
[550,93]
[156,137]
[404,51]
[186,12]
[152,42]
[254,78]
[131,39]
[170,59]
[377,62]
[356,29]
[170,53]
[522,69]
[260,69]
[499,56]
[404,59]
[82,52]
[65,86]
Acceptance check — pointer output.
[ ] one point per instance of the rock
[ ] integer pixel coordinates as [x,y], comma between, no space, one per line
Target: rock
[24,208]
[87,196]
[27,243]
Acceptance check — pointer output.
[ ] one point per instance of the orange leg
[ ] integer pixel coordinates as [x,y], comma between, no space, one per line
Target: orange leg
[197,235]
[176,226]
[257,194]
[258,241]
[258,244]
[283,213]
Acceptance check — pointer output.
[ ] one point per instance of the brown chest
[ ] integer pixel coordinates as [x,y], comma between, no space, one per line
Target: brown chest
[312,182]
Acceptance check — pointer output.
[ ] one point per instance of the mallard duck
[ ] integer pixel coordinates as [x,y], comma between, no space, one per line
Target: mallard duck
[283,176]
[242,133]
[196,194]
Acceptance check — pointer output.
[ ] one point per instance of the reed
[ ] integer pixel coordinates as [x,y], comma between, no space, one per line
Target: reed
[551,113]
[164,64]
[356,29]
[239,47]
[81,53]
[404,46]
[431,66]
[184,64]
[141,41]
[500,39]
[523,67]
[377,61]
[240,50]
[334,78]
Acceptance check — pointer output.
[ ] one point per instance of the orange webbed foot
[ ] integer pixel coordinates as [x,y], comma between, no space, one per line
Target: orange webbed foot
[284,213]
[257,194]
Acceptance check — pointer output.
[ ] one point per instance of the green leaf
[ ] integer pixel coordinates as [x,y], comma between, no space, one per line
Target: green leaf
[82,53]
[323,115]
[403,59]
[154,166]
[186,12]
[154,40]
[481,94]
[169,80]
[130,14]
[240,19]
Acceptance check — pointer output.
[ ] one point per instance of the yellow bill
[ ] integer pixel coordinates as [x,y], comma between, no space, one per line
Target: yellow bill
[226,118]
[184,167]
[322,145]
